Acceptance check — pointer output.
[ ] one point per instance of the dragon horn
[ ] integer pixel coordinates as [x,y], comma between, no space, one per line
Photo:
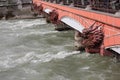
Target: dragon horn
[92,25]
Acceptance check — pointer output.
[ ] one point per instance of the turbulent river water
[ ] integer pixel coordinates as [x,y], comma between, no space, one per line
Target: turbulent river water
[31,49]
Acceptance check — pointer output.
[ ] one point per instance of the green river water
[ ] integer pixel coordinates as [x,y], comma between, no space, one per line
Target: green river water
[30,49]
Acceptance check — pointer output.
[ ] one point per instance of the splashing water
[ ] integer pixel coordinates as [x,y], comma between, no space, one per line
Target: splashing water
[30,49]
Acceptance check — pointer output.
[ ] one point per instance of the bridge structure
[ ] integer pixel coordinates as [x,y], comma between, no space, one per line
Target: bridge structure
[84,19]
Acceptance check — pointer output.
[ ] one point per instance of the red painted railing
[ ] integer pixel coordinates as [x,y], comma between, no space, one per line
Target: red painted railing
[112,40]
[111,27]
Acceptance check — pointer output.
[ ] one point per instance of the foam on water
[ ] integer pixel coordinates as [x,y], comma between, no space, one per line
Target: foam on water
[35,33]
[33,23]
[21,24]
[85,68]
[9,62]
[30,71]
[49,56]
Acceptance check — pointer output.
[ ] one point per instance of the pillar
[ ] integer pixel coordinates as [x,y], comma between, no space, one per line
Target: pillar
[78,40]
[62,26]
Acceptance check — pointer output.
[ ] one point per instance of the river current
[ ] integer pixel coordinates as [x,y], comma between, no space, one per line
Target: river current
[30,49]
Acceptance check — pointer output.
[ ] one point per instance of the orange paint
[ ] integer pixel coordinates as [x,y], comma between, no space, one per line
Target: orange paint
[86,18]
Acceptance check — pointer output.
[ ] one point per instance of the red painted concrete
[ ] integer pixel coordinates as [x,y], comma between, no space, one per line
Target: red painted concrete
[86,18]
